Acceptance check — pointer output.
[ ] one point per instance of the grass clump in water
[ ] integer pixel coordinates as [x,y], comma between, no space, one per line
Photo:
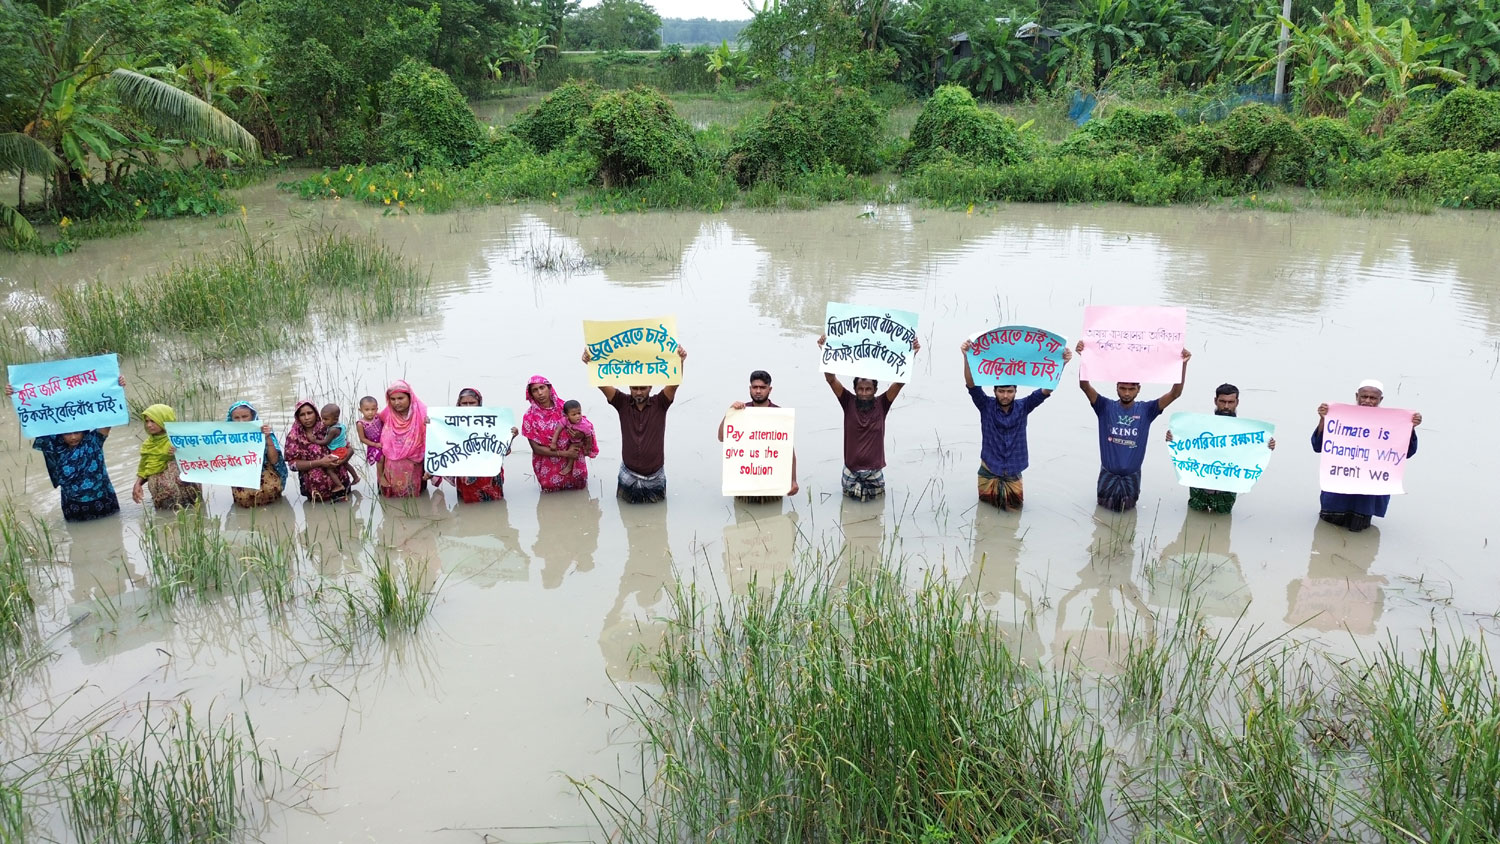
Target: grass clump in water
[179,780]
[242,302]
[21,544]
[858,714]
[389,601]
[189,555]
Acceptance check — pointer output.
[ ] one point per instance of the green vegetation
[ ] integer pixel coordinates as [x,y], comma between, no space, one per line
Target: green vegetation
[953,125]
[876,711]
[390,601]
[23,543]
[247,301]
[181,780]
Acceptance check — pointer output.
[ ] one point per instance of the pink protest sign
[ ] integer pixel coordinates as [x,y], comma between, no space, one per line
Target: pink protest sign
[1133,344]
[1364,449]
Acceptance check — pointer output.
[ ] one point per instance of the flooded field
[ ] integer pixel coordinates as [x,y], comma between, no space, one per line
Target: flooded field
[471,731]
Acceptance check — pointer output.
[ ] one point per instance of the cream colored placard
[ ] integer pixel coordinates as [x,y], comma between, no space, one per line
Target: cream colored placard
[757,450]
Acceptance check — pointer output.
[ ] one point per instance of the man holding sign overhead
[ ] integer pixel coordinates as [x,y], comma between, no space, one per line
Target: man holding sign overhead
[643,433]
[1002,422]
[1124,425]
[1363,450]
[864,429]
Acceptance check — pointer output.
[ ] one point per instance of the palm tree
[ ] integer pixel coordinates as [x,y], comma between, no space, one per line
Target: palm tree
[22,154]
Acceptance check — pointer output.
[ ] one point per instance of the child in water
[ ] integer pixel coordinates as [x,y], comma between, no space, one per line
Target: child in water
[367,428]
[335,436]
[75,464]
[576,430]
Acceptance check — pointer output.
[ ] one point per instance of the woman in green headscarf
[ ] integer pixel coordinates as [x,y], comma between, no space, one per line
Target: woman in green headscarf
[157,468]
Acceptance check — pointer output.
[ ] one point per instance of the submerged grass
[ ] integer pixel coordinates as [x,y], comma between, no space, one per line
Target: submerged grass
[189,555]
[250,299]
[24,541]
[878,712]
[179,780]
[389,600]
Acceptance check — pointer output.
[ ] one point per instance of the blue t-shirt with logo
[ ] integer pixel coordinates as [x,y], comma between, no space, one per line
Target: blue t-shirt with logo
[1122,433]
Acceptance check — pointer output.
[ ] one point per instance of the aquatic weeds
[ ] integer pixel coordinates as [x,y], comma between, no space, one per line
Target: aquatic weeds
[244,301]
[388,601]
[189,555]
[179,780]
[23,542]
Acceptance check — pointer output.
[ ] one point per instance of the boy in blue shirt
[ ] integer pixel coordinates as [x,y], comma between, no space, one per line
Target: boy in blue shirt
[1002,424]
[1123,427]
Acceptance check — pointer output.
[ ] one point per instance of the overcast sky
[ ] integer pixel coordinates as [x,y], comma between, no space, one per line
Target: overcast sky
[723,10]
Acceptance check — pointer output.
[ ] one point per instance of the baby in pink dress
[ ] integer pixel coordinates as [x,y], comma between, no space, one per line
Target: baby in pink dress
[576,431]
[368,427]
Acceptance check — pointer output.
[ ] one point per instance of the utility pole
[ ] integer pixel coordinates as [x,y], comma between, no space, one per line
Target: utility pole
[1286,15]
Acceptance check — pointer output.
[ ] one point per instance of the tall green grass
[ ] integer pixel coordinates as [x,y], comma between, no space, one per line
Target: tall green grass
[189,556]
[249,299]
[882,712]
[388,601]
[24,541]
[179,780]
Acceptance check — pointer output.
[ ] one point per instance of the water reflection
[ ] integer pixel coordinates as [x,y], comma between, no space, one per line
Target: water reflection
[1198,570]
[760,546]
[1096,617]
[477,544]
[1339,592]
[635,622]
[994,579]
[567,534]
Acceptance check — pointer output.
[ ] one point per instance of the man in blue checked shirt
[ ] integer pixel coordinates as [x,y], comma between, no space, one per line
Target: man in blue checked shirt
[1002,420]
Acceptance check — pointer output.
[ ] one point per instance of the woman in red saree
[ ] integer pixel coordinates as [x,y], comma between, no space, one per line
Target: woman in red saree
[320,475]
[540,424]
[403,443]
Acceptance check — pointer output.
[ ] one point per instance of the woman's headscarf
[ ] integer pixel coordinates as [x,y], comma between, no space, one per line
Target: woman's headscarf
[280,465]
[404,437]
[477,396]
[541,423]
[299,445]
[157,449]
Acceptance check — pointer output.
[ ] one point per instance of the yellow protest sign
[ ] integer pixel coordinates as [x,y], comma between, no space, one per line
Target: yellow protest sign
[632,352]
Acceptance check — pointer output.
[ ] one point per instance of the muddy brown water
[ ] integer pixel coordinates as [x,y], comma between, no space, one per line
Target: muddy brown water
[472,730]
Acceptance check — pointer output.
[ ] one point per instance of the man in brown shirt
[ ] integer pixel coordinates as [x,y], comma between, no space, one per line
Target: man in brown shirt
[760,396]
[864,432]
[643,434]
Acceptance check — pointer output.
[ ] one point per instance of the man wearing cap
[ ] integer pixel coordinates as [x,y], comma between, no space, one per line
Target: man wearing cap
[1355,511]
[1002,426]
[1123,428]
[1226,403]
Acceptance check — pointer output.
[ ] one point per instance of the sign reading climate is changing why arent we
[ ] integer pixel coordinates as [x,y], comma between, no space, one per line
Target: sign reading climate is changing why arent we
[866,342]
[468,442]
[223,453]
[1133,344]
[758,450]
[63,396]
[1364,450]
[1019,355]
[632,352]
[1223,453]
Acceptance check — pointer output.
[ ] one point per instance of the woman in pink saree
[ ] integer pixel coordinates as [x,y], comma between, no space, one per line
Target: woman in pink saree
[403,443]
[540,424]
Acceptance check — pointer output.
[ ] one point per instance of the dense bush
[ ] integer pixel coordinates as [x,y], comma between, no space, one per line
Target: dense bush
[1330,143]
[1467,119]
[1124,129]
[156,193]
[1453,178]
[427,121]
[636,134]
[1141,179]
[557,118]
[953,122]
[838,128]
[1250,143]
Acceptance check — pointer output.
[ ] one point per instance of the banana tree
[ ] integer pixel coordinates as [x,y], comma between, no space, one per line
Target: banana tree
[21,154]
[523,50]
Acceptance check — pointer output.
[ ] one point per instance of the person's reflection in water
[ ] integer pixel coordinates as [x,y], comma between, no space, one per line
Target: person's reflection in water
[95,557]
[633,626]
[862,524]
[994,579]
[478,545]
[1200,569]
[1339,593]
[567,535]
[1096,633]
[760,546]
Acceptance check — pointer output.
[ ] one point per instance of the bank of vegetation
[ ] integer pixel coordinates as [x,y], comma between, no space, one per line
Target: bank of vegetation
[870,711]
[122,112]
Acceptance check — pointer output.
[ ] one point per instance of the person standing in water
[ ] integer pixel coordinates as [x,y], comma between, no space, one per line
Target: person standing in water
[75,465]
[1347,510]
[1123,427]
[1226,403]
[864,431]
[1002,424]
[643,434]
[760,396]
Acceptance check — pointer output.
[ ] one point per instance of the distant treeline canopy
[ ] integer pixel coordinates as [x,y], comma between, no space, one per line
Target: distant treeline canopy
[691,33]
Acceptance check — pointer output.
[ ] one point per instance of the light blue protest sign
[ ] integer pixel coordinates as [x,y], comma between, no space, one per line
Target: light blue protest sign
[223,453]
[468,442]
[63,396]
[1225,453]
[1019,355]
[866,342]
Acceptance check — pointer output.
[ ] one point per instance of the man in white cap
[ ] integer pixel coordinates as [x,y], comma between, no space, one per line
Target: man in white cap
[1355,511]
